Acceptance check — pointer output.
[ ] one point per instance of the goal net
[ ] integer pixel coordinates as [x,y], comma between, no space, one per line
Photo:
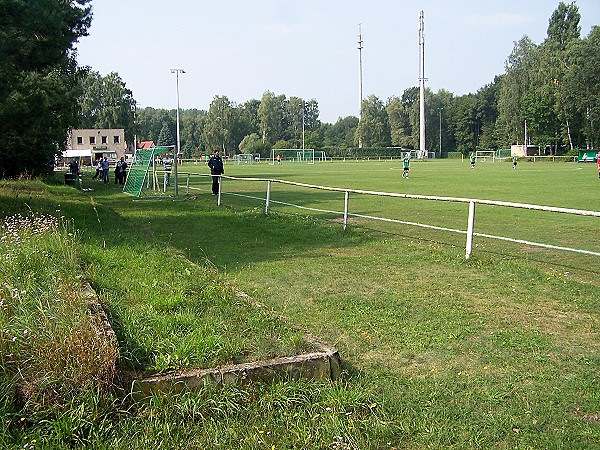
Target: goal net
[244,158]
[485,155]
[295,155]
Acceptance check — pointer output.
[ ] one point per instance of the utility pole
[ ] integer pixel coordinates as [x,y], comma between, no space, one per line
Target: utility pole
[360,85]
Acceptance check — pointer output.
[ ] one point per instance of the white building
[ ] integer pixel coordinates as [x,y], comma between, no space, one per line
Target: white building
[92,144]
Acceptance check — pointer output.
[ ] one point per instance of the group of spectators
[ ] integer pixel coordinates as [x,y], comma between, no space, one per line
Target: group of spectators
[215,163]
[103,169]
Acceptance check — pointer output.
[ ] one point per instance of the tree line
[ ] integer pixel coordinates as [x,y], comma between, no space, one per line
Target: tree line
[548,95]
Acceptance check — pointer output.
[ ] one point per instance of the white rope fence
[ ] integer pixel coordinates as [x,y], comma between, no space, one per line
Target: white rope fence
[470,223]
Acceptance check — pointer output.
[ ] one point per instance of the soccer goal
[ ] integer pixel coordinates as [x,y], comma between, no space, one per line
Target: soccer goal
[485,155]
[244,158]
[295,155]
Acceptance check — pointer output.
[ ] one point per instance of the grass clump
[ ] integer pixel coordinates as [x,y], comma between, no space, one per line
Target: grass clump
[50,346]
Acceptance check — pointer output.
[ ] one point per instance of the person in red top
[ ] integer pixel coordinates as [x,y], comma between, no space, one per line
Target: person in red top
[598,162]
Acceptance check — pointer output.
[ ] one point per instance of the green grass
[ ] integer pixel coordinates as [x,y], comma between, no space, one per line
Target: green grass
[500,351]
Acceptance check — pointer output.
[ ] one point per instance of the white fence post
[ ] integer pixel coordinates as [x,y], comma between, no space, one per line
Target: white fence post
[219,196]
[187,184]
[470,228]
[346,195]
[268,197]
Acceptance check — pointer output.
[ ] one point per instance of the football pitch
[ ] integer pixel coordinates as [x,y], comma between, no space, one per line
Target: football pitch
[556,184]
[496,352]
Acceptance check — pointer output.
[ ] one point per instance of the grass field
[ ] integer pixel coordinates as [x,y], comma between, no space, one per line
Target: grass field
[567,185]
[500,351]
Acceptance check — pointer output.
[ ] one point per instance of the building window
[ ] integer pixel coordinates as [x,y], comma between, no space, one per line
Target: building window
[92,140]
[104,139]
[117,140]
[80,140]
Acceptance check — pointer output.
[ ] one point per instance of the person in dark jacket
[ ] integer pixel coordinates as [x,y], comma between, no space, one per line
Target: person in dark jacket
[216,170]
[74,167]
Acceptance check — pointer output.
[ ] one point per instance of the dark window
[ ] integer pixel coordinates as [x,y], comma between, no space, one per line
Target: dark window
[92,139]
[104,139]
[117,140]
[79,139]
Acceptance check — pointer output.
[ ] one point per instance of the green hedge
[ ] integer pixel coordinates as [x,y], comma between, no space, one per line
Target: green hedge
[360,153]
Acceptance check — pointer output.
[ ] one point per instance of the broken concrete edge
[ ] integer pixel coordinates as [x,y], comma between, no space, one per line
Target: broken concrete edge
[96,309]
[320,365]
[309,366]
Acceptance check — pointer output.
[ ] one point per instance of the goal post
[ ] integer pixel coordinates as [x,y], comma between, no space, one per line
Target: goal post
[485,155]
[244,158]
[296,155]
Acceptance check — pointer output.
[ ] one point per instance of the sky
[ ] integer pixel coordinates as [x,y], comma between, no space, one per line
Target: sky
[308,48]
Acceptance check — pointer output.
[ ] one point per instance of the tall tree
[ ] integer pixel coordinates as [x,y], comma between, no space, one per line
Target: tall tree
[513,85]
[271,117]
[563,29]
[165,138]
[217,130]
[581,85]
[341,133]
[39,80]
[106,102]
[374,127]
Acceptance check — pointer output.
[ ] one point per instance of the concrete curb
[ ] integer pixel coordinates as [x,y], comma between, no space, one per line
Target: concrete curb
[323,364]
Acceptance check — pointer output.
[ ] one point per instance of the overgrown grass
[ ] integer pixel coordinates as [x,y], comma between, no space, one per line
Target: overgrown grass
[500,351]
[49,349]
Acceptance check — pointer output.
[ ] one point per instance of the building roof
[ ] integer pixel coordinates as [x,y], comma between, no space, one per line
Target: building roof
[145,144]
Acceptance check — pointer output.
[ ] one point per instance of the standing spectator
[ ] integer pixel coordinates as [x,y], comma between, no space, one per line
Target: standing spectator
[123,170]
[98,169]
[168,165]
[74,167]
[105,169]
[216,170]
[120,171]
[472,160]
[598,162]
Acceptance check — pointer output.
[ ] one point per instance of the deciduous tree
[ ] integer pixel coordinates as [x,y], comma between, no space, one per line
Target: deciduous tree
[39,80]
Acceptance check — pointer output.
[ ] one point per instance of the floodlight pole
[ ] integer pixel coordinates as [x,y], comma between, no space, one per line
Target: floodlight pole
[178,146]
[360,85]
[422,150]
[303,114]
[441,108]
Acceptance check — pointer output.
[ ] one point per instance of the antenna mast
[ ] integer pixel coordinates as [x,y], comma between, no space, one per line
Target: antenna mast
[422,150]
[360,87]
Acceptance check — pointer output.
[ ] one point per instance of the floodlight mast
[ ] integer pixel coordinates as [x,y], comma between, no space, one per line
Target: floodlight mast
[422,151]
[360,84]
[178,146]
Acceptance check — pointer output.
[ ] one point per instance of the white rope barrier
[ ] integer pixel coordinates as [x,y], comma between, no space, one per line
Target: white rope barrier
[470,231]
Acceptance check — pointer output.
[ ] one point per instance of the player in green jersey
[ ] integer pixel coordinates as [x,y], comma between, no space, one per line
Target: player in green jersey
[406,162]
